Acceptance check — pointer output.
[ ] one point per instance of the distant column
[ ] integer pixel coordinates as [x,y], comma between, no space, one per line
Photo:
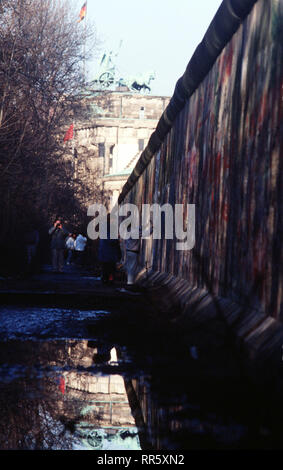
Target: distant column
[106,161]
[114,198]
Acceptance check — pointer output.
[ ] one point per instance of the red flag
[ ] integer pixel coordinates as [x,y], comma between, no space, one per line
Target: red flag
[62,385]
[69,133]
[82,12]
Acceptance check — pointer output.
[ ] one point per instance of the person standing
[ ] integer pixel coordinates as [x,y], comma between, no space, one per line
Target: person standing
[132,247]
[70,245]
[80,244]
[31,243]
[58,234]
[109,253]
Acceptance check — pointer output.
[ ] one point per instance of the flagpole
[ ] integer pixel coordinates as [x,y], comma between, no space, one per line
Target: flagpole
[73,151]
[82,15]
[85,42]
[84,49]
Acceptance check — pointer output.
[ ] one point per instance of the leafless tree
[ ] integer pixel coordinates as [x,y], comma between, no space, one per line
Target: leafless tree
[42,54]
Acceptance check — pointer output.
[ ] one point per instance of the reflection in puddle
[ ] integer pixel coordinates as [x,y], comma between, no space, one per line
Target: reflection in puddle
[61,393]
[58,403]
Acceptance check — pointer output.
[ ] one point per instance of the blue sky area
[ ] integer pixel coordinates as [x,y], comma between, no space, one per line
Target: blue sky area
[159,35]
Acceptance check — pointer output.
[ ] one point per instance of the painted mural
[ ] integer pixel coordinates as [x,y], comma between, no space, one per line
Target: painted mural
[223,155]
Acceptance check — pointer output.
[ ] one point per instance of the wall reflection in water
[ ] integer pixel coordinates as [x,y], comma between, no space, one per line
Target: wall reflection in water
[72,394]
[172,422]
[56,395]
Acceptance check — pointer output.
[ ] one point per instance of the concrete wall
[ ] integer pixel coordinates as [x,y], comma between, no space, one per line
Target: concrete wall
[223,155]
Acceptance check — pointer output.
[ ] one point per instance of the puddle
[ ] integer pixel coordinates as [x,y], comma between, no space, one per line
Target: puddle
[62,389]
[56,389]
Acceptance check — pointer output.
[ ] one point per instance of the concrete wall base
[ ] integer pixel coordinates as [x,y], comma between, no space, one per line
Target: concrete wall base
[258,337]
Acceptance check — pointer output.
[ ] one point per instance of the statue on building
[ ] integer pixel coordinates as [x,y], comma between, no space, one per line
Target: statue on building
[106,76]
[107,71]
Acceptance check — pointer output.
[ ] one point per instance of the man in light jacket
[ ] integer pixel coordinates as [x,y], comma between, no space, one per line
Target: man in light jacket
[80,244]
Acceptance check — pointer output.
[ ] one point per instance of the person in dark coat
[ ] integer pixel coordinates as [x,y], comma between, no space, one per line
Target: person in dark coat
[109,253]
[58,240]
[31,244]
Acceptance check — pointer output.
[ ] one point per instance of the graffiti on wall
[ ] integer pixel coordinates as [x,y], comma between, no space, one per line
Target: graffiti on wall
[223,155]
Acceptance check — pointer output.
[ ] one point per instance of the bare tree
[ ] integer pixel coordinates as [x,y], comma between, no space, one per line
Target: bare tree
[42,53]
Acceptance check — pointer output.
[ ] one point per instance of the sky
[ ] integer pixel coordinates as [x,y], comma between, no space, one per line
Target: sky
[156,35]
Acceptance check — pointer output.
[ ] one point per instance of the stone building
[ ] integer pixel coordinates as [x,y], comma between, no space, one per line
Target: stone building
[110,131]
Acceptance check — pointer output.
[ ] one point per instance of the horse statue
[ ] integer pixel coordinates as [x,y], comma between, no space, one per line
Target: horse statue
[138,83]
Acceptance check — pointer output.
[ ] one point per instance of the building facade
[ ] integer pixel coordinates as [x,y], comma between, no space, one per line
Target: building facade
[109,136]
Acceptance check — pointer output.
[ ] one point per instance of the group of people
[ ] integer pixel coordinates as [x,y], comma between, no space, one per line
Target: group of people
[75,245]
[111,252]
[61,242]
[117,252]
[123,252]
[70,248]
